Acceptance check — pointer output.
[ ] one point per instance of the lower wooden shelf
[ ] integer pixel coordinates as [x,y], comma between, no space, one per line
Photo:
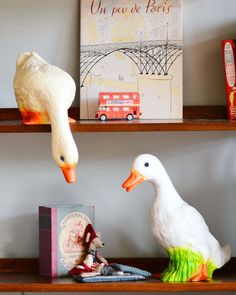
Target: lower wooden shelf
[20,275]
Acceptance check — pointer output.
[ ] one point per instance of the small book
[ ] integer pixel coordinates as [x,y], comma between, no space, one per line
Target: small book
[229,58]
[61,230]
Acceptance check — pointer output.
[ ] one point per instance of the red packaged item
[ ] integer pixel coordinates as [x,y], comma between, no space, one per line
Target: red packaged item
[229,58]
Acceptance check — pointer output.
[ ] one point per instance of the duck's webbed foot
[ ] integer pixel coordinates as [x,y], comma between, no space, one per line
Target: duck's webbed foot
[33,118]
[202,275]
[71,120]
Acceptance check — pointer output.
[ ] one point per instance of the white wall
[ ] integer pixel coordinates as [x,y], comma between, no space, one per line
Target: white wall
[48,27]
[206,23]
[202,165]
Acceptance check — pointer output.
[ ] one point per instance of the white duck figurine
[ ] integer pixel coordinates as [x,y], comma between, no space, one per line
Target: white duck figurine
[44,93]
[179,228]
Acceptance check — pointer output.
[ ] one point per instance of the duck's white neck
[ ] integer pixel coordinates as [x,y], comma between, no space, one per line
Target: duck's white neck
[166,196]
[61,134]
[59,122]
[165,206]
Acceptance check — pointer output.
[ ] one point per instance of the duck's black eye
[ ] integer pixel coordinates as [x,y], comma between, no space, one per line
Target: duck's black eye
[62,158]
[146,164]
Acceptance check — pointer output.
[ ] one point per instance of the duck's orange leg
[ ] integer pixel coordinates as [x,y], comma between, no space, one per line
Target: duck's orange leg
[202,275]
[31,118]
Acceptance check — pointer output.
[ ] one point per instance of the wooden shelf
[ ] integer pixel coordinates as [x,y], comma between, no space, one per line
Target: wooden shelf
[196,118]
[20,275]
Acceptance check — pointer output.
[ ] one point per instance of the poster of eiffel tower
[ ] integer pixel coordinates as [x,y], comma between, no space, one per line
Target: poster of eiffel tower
[132,46]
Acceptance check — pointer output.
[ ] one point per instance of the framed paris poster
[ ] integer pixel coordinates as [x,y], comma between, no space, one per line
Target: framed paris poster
[131,59]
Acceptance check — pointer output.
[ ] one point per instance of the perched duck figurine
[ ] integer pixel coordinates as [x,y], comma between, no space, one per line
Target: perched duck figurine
[44,93]
[180,229]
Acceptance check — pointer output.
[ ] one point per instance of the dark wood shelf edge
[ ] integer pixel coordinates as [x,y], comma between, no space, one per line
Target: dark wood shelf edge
[123,126]
[196,118]
[189,112]
[20,275]
[13,114]
[137,287]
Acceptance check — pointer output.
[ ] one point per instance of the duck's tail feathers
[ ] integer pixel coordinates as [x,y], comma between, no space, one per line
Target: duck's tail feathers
[225,254]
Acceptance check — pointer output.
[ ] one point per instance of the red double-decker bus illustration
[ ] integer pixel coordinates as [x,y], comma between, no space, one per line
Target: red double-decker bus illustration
[118,105]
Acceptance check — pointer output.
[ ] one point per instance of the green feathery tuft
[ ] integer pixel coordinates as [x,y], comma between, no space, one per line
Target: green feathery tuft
[183,264]
[210,268]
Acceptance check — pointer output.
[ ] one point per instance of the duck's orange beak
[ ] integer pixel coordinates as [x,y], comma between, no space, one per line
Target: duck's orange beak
[134,179]
[69,172]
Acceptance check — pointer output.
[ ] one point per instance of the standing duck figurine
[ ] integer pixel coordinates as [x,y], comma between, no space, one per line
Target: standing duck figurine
[180,229]
[43,94]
